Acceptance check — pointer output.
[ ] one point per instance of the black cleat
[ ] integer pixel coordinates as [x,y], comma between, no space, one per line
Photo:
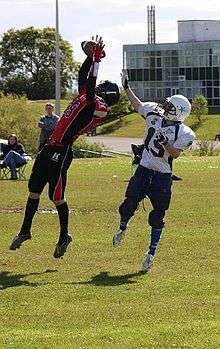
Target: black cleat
[60,249]
[18,241]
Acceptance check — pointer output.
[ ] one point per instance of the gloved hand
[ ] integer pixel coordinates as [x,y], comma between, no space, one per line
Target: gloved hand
[124,79]
[161,137]
[98,49]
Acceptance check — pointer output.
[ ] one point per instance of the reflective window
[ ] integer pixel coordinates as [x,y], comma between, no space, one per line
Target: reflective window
[146,62]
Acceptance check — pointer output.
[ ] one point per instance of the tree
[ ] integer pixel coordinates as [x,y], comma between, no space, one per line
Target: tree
[123,106]
[28,63]
[199,108]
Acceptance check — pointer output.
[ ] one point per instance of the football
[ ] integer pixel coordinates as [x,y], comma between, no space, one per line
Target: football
[88,46]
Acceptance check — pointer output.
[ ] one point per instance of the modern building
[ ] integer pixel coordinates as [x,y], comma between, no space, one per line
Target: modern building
[189,67]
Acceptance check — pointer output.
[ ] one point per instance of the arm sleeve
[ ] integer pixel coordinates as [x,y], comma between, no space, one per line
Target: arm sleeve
[83,72]
[184,141]
[91,82]
[146,108]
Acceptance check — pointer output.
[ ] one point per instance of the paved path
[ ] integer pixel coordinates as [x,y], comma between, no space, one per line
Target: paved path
[123,144]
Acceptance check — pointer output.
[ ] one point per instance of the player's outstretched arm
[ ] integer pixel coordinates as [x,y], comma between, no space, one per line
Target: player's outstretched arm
[97,56]
[83,72]
[135,101]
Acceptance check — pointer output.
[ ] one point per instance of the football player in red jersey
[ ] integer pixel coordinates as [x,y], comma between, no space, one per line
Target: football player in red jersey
[85,112]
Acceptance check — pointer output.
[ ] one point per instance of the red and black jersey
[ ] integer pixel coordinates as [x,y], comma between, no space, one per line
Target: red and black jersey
[84,113]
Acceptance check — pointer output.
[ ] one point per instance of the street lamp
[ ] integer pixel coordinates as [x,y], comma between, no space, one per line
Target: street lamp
[57,78]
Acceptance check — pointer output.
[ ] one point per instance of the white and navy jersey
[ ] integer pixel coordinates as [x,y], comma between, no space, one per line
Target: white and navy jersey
[180,136]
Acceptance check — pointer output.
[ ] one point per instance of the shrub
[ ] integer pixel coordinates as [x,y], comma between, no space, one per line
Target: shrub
[16,117]
[91,150]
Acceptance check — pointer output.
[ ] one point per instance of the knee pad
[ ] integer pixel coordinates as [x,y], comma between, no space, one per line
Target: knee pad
[128,207]
[155,219]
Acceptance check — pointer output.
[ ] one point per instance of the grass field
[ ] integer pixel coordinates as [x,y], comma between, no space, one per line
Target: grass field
[95,298]
[133,126]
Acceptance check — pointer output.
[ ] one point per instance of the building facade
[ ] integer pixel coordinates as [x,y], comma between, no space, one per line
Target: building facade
[189,67]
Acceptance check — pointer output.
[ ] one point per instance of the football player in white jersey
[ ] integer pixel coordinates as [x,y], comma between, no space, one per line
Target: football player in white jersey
[166,138]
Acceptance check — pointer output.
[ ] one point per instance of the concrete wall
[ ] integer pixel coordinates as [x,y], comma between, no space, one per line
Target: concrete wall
[191,31]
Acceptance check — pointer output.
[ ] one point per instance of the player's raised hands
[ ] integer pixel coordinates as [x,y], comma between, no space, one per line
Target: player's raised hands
[93,45]
[98,52]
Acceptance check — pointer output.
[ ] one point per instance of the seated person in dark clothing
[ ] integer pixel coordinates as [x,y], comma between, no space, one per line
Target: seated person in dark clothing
[13,155]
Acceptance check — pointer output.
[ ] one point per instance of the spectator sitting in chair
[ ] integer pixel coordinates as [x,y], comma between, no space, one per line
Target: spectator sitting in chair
[47,124]
[13,155]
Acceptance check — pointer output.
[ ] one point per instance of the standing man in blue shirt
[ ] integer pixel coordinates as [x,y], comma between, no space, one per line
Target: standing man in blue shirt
[47,124]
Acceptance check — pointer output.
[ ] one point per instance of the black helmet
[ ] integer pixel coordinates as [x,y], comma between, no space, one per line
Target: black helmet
[108,91]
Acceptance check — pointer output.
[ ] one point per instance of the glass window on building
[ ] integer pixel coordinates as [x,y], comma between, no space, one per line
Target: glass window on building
[216,92]
[152,62]
[152,93]
[216,74]
[174,61]
[139,54]
[152,74]
[203,61]
[158,64]
[146,62]
[209,92]
[188,74]
[167,92]
[201,73]
[146,75]
[216,102]
[159,93]
[203,92]
[195,74]
[131,54]
[167,61]
[188,92]
[139,74]
[139,63]
[132,74]
[159,74]
[216,60]
[167,74]
[146,94]
[188,61]
[208,73]
[132,63]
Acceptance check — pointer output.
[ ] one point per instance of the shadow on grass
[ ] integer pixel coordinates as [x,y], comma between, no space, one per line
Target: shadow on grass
[104,279]
[7,279]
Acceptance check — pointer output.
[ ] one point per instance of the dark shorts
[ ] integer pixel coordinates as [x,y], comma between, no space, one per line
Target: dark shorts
[154,184]
[51,167]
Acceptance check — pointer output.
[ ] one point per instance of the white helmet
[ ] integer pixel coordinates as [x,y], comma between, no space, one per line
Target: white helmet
[176,108]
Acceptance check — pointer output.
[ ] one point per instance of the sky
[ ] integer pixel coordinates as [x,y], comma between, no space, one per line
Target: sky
[117,21]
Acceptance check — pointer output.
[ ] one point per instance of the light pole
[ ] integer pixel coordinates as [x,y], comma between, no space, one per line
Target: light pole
[57,79]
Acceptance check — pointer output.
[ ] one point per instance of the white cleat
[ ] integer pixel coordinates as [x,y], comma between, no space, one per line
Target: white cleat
[117,238]
[147,263]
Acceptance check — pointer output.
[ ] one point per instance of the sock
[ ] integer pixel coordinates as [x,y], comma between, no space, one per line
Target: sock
[30,210]
[155,238]
[63,213]
[123,222]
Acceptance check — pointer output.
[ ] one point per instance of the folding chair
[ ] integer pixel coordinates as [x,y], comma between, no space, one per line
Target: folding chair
[4,171]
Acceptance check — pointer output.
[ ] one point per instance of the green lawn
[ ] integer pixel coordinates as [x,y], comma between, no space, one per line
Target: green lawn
[95,298]
[133,125]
